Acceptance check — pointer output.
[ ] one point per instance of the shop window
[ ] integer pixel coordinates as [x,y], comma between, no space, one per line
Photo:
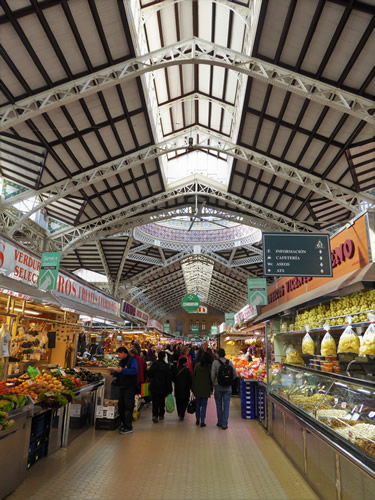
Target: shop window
[203,326]
[179,326]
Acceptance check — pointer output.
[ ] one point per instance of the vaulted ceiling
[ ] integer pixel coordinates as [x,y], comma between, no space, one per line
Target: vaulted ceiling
[120,113]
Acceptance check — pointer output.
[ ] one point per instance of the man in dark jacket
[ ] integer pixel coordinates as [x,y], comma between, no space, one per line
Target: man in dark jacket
[126,373]
[160,386]
[182,385]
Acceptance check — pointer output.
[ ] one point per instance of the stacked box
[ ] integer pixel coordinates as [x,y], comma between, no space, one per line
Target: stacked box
[248,392]
[261,403]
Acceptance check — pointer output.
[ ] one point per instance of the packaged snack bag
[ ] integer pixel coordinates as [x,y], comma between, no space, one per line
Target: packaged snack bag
[308,346]
[349,340]
[328,345]
[293,356]
[368,340]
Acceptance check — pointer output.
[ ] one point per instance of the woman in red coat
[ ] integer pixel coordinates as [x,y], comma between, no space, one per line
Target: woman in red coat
[142,365]
[185,354]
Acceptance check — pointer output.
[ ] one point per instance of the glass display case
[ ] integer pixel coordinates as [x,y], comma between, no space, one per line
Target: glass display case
[338,405]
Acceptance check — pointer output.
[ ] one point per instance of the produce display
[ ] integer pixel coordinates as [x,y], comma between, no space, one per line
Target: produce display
[106,361]
[7,404]
[357,304]
[48,389]
[255,369]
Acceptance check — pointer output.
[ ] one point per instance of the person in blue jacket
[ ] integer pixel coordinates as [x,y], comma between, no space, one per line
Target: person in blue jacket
[126,374]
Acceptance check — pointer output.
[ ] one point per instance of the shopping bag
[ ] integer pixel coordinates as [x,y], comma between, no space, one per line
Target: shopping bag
[169,403]
[145,389]
[191,407]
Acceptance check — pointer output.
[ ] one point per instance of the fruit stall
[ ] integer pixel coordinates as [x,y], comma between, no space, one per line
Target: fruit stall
[41,411]
[321,404]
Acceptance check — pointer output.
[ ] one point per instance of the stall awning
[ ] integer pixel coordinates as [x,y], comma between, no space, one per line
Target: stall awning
[31,293]
[352,282]
[85,309]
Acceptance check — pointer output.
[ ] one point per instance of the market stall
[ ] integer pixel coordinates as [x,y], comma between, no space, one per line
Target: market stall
[322,403]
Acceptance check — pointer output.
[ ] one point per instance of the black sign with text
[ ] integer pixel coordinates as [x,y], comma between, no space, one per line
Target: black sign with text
[297,254]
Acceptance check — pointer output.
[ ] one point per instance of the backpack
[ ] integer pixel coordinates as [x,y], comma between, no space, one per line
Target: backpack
[225,374]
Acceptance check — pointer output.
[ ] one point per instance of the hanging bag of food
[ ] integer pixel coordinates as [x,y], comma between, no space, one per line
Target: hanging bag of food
[308,346]
[328,345]
[368,341]
[293,357]
[349,340]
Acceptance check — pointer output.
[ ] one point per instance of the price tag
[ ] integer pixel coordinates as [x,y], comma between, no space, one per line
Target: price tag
[30,382]
[75,369]
[63,373]
[344,405]
[336,401]
[350,434]
[371,414]
[49,394]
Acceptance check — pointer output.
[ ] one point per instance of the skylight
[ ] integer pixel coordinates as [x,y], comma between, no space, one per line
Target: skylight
[197,273]
[91,276]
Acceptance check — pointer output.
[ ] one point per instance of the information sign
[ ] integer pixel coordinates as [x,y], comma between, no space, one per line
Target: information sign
[297,254]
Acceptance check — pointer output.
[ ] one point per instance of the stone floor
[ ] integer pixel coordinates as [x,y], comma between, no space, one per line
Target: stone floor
[170,460]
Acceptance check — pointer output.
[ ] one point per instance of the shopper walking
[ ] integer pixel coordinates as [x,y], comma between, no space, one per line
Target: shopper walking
[151,353]
[135,343]
[161,385]
[202,387]
[182,386]
[203,349]
[185,350]
[223,373]
[126,373]
[168,355]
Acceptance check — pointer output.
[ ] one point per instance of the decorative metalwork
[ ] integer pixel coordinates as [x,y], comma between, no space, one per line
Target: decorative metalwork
[339,194]
[194,51]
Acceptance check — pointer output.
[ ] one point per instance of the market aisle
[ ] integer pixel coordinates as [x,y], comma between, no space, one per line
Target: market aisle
[169,461]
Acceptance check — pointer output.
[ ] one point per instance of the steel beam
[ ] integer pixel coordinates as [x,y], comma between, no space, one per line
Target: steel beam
[75,236]
[247,261]
[343,196]
[122,263]
[104,264]
[194,51]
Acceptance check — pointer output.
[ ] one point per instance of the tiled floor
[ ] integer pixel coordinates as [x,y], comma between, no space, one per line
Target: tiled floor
[170,460]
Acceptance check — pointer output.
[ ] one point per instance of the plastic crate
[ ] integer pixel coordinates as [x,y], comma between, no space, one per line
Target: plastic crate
[106,424]
[40,425]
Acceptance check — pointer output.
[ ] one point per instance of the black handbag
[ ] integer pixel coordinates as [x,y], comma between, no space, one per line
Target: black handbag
[191,407]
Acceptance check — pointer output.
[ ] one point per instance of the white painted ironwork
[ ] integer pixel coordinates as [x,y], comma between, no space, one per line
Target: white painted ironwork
[139,248]
[164,108]
[179,246]
[104,264]
[194,51]
[122,264]
[146,259]
[246,261]
[339,194]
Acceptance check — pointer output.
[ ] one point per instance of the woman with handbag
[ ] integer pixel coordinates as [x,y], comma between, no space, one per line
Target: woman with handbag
[182,386]
[202,387]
